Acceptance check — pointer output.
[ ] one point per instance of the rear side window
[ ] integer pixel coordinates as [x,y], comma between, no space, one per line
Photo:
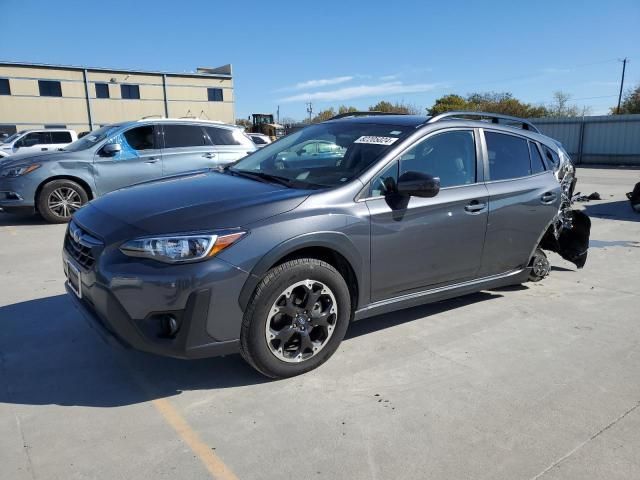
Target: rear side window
[60,137]
[140,138]
[537,165]
[224,136]
[449,155]
[551,158]
[508,156]
[178,136]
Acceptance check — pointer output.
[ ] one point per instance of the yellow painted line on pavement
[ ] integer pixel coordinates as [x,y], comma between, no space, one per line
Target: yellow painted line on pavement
[210,460]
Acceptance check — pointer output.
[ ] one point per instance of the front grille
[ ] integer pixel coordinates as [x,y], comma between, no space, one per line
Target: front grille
[81,246]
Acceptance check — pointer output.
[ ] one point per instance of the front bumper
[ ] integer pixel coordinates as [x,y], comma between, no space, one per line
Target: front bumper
[126,300]
[16,192]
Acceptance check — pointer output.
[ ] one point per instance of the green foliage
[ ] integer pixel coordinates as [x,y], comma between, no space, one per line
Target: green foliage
[243,122]
[493,102]
[398,107]
[344,109]
[324,115]
[630,102]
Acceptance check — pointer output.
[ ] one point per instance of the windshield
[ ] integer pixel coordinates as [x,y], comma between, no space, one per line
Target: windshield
[91,139]
[323,155]
[12,137]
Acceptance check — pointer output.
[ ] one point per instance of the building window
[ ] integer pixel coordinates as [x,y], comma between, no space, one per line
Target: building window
[102,90]
[54,125]
[49,88]
[5,88]
[131,92]
[215,94]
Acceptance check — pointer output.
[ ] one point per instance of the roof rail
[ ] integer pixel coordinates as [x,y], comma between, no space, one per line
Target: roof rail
[152,116]
[363,114]
[494,117]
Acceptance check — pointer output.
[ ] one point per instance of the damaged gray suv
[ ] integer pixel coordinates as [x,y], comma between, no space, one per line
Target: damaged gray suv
[276,254]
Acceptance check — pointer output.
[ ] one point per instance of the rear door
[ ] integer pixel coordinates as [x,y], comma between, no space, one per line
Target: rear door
[524,197]
[139,160]
[186,148]
[59,138]
[230,144]
[420,243]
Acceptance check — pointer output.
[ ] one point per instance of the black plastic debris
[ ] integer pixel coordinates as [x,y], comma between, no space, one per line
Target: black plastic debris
[634,198]
[573,243]
[586,198]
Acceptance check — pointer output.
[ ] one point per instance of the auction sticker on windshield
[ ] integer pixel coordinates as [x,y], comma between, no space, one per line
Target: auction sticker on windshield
[376,140]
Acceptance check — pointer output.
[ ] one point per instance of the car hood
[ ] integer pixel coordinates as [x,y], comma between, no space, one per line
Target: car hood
[21,159]
[186,203]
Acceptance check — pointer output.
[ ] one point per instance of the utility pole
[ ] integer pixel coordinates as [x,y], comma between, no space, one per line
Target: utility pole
[309,110]
[624,67]
[278,115]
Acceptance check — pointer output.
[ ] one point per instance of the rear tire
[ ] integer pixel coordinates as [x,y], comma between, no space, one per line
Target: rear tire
[60,199]
[540,266]
[296,318]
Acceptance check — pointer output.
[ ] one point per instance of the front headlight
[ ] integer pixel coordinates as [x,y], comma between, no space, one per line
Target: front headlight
[19,171]
[180,248]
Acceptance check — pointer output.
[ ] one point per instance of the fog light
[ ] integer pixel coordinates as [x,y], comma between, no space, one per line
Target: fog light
[169,326]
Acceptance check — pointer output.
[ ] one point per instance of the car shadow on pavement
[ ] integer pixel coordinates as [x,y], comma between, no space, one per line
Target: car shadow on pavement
[619,210]
[49,355]
[11,220]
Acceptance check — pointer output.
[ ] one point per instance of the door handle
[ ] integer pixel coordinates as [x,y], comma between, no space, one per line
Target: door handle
[548,197]
[152,160]
[209,155]
[44,149]
[474,206]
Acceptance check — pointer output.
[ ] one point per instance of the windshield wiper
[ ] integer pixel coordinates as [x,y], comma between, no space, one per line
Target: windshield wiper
[264,176]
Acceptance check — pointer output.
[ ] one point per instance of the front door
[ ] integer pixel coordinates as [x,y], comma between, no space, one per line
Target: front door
[139,160]
[419,243]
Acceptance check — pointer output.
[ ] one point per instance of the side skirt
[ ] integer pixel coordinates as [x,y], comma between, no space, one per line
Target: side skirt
[513,277]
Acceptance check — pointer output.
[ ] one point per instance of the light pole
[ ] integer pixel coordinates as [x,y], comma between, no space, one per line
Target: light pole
[309,110]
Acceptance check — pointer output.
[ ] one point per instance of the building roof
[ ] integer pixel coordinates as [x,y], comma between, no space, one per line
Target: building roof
[224,71]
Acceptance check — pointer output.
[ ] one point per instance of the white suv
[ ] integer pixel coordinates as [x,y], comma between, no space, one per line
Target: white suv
[40,140]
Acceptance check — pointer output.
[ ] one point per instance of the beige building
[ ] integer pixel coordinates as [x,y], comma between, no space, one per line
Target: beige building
[84,98]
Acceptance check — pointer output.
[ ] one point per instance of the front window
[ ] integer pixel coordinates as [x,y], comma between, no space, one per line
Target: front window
[92,138]
[323,155]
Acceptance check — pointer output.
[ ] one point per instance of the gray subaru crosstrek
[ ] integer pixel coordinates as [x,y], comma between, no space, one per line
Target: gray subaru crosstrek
[56,184]
[275,255]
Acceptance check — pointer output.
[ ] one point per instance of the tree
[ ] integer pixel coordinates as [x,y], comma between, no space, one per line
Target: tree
[288,121]
[630,102]
[492,102]
[243,122]
[324,115]
[561,107]
[398,107]
[344,109]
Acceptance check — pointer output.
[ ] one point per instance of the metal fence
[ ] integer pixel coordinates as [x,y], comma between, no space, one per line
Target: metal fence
[609,139]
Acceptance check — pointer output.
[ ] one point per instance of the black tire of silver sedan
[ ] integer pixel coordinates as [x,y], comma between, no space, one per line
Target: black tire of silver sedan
[296,318]
[540,266]
[60,199]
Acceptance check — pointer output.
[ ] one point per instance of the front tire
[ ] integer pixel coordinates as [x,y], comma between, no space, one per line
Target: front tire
[60,199]
[296,318]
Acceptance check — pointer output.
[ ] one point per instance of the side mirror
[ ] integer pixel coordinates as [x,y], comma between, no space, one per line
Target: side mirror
[111,149]
[417,184]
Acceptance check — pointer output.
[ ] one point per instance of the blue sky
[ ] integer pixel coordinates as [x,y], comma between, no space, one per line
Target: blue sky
[345,52]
